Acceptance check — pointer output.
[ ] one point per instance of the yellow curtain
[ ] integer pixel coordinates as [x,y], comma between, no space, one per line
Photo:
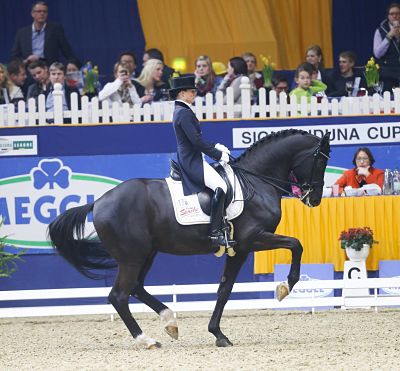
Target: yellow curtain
[222,29]
[298,24]
[318,230]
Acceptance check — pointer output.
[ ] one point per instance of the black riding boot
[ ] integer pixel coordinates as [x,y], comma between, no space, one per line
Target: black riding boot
[217,235]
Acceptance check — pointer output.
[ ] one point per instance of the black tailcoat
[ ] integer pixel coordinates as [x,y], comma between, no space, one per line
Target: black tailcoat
[190,146]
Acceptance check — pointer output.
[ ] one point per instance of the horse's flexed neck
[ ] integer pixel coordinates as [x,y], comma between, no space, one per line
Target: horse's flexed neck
[276,153]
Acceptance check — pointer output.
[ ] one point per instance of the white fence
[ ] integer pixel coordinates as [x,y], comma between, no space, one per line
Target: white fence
[313,287]
[95,112]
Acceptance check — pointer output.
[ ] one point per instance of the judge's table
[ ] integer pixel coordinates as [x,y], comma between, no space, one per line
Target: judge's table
[318,230]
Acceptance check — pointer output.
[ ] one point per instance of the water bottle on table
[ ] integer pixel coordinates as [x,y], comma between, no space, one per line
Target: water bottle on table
[396,182]
[388,182]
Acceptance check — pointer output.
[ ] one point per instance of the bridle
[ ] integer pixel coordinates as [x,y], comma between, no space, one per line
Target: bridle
[306,187]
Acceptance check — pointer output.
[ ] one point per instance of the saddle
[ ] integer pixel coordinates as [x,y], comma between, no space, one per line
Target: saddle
[205,196]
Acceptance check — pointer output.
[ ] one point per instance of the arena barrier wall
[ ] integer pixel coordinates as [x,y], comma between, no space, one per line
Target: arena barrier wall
[175,292]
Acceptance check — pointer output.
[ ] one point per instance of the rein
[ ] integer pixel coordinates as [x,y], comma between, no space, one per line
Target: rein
[306,188]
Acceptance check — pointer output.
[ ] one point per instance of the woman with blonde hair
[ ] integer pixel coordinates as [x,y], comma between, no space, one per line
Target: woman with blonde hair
[206,79]
[149,84]
[9,93]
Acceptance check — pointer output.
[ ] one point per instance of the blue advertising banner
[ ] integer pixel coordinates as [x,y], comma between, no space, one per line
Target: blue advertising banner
[46,170]
[76,164]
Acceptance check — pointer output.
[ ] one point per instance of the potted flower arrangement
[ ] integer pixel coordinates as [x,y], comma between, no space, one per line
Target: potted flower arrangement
[267,70]
[357,242]
[372,75]
[90,79]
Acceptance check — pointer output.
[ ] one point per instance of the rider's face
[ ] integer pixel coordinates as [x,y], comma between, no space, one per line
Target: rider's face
[188,95]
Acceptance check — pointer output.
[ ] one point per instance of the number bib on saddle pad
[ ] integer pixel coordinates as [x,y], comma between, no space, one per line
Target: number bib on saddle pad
[187,208]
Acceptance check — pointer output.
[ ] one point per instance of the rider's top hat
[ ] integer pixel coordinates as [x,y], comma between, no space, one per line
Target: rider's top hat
[182,83]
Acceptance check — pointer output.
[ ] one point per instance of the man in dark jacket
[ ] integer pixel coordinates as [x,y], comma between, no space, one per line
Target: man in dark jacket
[196,173]
[42,39]
[40,73]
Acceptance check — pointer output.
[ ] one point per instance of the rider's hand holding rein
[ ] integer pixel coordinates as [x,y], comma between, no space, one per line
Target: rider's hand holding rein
[224,158]
[222,148]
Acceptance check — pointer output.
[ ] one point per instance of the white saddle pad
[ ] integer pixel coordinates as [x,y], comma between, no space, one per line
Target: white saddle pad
[187,208]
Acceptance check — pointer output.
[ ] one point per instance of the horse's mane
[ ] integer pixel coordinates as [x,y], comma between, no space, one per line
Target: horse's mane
[271,137]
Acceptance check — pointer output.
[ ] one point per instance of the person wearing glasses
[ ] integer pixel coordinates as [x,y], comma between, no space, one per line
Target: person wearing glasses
[42,39]
[197,174]
[387,47]
[363,173]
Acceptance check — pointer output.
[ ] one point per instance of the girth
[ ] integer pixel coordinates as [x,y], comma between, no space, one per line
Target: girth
[206,195]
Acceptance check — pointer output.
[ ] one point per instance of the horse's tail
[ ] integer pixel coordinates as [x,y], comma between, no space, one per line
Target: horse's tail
[66,234]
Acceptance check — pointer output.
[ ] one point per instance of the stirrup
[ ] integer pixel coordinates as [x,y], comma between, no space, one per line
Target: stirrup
[225,245]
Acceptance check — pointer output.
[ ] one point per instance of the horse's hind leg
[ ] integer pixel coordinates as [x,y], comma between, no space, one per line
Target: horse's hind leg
[119,297]
[166,315]
[231,270]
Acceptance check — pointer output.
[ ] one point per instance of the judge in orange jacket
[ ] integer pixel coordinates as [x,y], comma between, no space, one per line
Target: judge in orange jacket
[363,173]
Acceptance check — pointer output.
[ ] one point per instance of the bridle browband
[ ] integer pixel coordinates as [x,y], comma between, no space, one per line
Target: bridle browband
[306,188]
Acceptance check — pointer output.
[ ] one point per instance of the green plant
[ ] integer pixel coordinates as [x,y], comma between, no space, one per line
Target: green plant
[90,78]
[267,70]
[7,259]
[355,238]
[371,72]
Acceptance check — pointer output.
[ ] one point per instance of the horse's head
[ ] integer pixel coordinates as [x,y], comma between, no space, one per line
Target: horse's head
[309,168]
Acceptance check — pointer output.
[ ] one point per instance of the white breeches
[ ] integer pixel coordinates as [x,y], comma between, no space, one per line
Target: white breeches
[212,179]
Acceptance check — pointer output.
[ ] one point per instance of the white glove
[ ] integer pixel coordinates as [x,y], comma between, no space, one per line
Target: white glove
[222,148]
[224,158]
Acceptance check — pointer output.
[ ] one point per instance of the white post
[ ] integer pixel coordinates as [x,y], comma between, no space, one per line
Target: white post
[58,103]
[245,88]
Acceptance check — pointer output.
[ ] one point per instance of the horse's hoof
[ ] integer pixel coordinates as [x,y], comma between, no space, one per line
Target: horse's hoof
[223,343]
[157,345]
[282,290]
[172,331]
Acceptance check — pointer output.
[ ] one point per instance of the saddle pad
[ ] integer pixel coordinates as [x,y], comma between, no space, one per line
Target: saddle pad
[187,208]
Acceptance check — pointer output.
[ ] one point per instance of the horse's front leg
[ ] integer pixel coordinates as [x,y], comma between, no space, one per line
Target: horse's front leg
[271,241]
[231,270]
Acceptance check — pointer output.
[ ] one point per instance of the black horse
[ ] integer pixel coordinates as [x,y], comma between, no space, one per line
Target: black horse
[135,220]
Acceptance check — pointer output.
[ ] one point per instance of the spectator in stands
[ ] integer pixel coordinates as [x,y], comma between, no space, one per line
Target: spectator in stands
[129,58]
[154,53]
[280,84]
[205,78]
[122,89]
[237,68]
[363,172]
[57,75]
[9,93]
[315,57]
[73,75]
[40,73]
[306,85]
[345,75]
[17,74]
[256,78]
[42,39]
[387,47]
[149,85]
